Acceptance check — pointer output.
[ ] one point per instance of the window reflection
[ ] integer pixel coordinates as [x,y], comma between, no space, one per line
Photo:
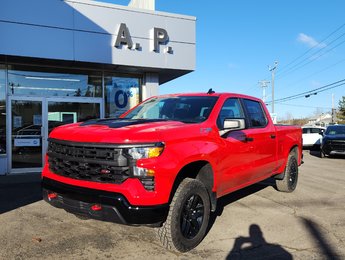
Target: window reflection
[47,84]
[121,94]
[61,113]
[2,111]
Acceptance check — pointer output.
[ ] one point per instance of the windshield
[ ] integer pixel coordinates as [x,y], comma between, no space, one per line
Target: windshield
[188,109]
[336,130]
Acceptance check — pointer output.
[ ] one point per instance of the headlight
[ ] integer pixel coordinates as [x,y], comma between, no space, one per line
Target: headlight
[143,152]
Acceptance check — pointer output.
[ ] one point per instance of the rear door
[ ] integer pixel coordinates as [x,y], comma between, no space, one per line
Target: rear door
[261,133]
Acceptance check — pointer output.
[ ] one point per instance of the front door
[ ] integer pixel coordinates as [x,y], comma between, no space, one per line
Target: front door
[27,134]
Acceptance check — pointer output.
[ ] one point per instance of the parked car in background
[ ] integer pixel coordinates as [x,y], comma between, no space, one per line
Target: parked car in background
[333,141]
[312,136]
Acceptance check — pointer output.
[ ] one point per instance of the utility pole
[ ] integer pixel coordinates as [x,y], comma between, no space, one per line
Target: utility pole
[272,70]
[333,110]
[263,85]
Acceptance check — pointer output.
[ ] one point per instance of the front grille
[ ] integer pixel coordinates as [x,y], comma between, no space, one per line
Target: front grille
[89,162]
[335,145]
[338,145]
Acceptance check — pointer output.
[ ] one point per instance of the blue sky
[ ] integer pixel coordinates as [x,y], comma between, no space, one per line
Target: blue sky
[238,39]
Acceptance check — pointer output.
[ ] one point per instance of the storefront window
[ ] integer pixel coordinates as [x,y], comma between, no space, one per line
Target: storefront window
[52,84]
[61,113]
[2,110]
[121,94]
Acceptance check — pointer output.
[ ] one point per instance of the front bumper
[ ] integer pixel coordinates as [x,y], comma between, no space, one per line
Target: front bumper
[334,147]
[112,207]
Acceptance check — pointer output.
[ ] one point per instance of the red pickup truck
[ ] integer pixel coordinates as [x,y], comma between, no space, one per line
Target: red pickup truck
[167,161]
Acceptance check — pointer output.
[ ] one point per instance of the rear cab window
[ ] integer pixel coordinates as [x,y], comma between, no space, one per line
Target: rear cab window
[256,115]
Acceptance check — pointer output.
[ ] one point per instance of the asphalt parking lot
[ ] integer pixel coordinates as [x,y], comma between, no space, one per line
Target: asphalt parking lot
[255,223]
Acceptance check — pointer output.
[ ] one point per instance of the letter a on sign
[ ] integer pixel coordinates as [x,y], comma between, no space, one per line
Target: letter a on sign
[123,37]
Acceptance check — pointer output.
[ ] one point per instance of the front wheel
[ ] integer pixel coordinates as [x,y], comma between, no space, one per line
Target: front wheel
[322,154]
[188,217]
[289,182]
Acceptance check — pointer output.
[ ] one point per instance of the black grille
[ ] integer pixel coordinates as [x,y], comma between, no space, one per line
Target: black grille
[335,145]
[86,161]
[338,145]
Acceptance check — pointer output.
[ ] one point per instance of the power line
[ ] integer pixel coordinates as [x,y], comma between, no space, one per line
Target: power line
[311,92]
[285,67]
[318,72]
[293,69]
[295,105]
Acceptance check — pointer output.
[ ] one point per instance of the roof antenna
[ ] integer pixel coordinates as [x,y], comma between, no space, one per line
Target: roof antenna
[210,91]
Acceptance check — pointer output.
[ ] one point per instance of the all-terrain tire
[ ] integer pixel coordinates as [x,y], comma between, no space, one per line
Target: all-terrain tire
[289,182]
[188,217]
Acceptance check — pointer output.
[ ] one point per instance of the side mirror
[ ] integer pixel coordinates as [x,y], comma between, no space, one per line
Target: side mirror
[232,125]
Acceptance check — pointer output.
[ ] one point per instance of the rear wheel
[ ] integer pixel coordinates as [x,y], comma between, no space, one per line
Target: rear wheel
[289,182]
[188,217]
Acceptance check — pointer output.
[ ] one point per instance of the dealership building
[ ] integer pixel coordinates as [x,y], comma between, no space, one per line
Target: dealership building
[73,60]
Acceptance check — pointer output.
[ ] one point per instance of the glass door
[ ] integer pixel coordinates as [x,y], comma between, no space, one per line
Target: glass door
[32,120]
[26,134]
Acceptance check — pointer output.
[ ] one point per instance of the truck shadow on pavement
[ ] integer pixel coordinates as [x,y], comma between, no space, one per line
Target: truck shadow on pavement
[237,195]
[19,190]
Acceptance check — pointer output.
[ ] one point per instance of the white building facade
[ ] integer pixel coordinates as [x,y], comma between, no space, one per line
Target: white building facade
[68,61]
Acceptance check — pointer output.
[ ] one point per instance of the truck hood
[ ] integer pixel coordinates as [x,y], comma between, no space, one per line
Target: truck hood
[334,137]
[121,131]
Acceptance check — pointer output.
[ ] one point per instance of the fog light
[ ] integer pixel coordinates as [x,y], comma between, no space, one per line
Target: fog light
[52,195]
[96,207]
[142,172]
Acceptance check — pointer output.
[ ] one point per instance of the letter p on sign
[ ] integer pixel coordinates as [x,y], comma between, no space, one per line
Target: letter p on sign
[160,36]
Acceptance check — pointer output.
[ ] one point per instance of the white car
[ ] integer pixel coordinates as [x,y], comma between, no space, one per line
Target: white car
[312,136]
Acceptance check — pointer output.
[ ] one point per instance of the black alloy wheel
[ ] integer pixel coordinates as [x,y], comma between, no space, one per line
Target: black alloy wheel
[192,216]
[293,173]
[289,182]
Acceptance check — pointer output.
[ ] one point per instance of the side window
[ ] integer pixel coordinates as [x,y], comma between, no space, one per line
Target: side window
[231,109]
[256,115]
[305,130]
[315,130]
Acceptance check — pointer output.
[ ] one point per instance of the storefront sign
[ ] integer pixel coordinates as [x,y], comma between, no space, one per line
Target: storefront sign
[123,95]
[159,36]
[21,142]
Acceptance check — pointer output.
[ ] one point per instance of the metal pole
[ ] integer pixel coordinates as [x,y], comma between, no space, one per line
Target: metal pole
[333,110]
[272,70]
[263,85]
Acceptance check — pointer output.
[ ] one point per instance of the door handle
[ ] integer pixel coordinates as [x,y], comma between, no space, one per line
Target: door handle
[273,136]
[249,139]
